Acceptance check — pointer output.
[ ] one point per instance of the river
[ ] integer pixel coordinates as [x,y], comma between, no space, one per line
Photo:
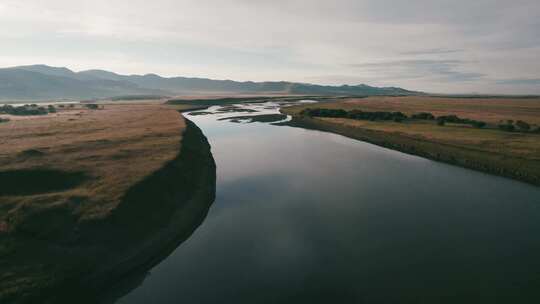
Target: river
[303,216]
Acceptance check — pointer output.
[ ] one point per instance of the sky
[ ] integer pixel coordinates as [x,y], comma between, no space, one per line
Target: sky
[442,46]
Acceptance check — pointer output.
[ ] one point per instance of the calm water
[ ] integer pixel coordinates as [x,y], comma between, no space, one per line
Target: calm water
[303,216]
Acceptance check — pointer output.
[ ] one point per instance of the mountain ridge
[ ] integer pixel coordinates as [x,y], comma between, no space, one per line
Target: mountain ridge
[35,82]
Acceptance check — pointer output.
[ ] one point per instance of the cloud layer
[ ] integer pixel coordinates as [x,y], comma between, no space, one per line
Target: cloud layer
[487,46]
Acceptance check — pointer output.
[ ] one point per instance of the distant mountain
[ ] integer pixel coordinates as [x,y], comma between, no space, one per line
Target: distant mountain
[37,82]
[48,70]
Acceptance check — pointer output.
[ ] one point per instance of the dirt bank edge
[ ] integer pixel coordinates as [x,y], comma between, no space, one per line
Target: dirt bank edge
[187,183]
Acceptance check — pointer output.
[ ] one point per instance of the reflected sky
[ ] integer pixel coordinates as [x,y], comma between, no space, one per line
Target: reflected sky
[310,217]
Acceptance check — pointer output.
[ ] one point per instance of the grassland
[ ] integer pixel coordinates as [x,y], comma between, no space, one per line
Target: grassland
[491,110]
[104,144]
[510,154]
[95,194]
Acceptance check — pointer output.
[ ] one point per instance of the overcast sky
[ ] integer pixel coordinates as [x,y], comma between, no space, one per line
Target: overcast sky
[454,46]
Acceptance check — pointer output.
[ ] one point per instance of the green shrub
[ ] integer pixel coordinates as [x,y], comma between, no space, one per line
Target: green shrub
[354,114]
[459,120]
[423,116]
[478,124]
[507,127]
[523,126]
[92,106]
[450,119]
[23,110]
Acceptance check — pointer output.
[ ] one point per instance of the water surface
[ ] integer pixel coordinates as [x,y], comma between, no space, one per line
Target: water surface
[309,217]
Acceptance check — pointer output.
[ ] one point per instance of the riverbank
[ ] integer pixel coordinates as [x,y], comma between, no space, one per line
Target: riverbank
[61,246]
[509,154]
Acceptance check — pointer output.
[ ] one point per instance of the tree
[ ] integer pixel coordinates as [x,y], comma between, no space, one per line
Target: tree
[423,116]
[478,124]
[507,127]
[523,126]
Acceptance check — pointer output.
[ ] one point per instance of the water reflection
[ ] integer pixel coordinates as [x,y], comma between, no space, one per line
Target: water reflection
[309,217]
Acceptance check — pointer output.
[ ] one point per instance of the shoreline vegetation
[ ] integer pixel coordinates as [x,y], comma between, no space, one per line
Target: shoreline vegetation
[27,110]
[59,243]
[425,117]
[499,137]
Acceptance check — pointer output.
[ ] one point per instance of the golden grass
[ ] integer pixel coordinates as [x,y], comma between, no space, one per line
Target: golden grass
[140,198]
[514,144]
[117,147]
[491,110]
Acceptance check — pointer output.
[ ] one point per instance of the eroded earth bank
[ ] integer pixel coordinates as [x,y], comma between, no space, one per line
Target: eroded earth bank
[93,198]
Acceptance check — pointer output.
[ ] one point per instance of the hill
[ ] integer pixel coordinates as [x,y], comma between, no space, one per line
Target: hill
[39,82]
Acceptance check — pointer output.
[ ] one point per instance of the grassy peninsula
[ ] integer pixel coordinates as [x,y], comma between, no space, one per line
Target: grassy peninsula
[495,135]
[96,195]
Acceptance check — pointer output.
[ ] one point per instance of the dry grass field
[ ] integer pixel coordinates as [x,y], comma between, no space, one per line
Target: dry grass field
[491,140]
[113,148]
[491,110]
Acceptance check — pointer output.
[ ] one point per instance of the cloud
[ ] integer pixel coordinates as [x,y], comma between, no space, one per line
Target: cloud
[447,70]
[520,81]
[431,52]
[424,44]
